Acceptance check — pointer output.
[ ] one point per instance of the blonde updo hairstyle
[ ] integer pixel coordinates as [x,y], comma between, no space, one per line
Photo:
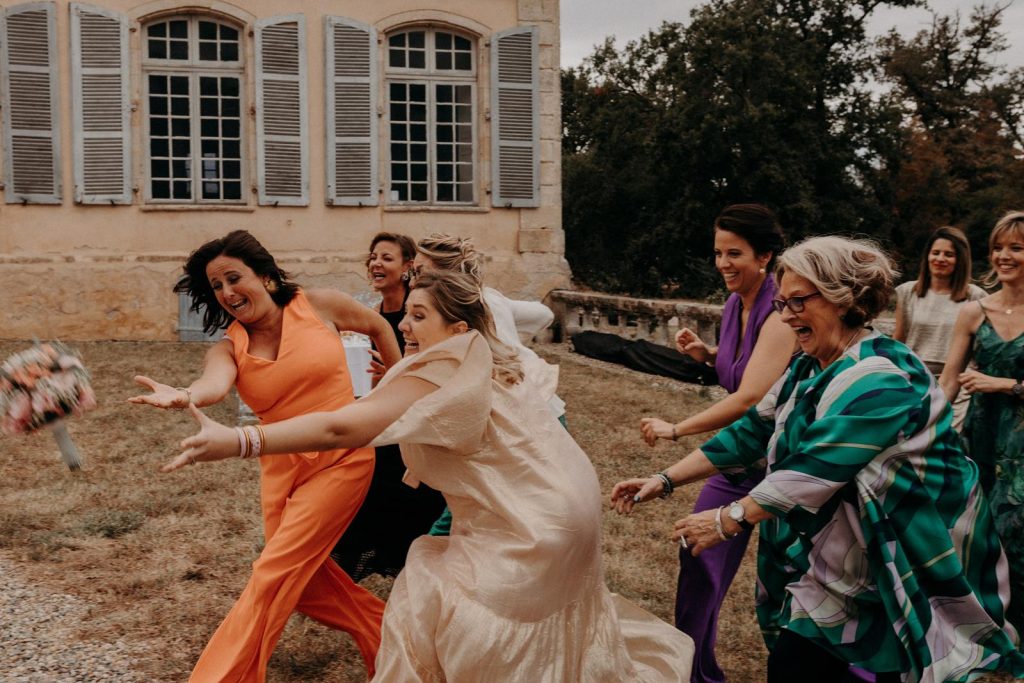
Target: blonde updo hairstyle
[448,252]
[458,297]
[853,274]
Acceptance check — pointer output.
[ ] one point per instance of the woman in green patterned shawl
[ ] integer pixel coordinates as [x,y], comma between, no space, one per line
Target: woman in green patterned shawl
[877,547]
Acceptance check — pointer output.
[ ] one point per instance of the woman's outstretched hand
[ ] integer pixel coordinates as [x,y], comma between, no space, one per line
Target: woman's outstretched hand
[628,493]
[162,396]
[654,428]
[214,441]
[693,346]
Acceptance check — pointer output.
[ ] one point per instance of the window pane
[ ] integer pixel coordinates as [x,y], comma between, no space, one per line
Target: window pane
[161,189]
[396,59]
[463,44]
[444,153]
[398,132]
[157,49]
[419,193]
[396,91]
[229,52]
[445,193]
[160,168]
[228,34]
[399,153]
[229,87]
[232,169]
[418,171]
[443,41]
[417,60]
[463,114]
[207,86]
[230,107]
[157,85]
[207,30]
[397,112]
[179,29]
[179,49]
[211,190]
[419,152]
[444,134]
[158,106]
[444,113]
[418,132]
[181,147]
[444,93]
[417,39]
[158,147]
[179,85]
[232,191]
[463,94]
[464,153]
[211,169]
[179,106]
[463,61]
[397,40]
[418,112]
[444,60]
[231,128]
[208,106]
[182,189]
[208,52]
[399,172]
[158,127]
[209,148]
[157,30]
[464,193]
[417,92]
[231,149]
[445,173]
[463,133]
[208,128]
[180,168]
[180,127]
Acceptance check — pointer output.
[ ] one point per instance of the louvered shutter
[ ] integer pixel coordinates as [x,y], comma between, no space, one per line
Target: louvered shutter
[102,110]
[515,136]
[351,67]
[282,121]
[28,65]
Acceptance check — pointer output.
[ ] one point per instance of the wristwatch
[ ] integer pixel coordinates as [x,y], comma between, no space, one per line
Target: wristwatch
[1018,389]
[739,515]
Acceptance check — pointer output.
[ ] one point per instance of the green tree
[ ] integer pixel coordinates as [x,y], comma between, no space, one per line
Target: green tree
[751,101]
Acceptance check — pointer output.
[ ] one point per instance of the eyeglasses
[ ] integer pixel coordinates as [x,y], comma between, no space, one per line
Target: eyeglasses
[793,303]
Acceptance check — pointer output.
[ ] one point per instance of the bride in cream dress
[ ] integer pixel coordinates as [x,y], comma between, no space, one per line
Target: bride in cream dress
[517,592]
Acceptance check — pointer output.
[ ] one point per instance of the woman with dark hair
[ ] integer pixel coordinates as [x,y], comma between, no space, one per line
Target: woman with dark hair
[283,353]
[516,592]
[877,548]
[990,332]
[394,513]
[927,307]
[753,350]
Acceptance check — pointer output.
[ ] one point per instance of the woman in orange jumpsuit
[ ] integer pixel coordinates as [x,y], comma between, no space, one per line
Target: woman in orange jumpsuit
[282,351]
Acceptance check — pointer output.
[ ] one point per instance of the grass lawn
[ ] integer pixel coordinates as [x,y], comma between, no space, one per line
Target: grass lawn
[162,557]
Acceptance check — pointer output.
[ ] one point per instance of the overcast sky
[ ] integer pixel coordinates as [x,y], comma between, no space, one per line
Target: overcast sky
[586,23]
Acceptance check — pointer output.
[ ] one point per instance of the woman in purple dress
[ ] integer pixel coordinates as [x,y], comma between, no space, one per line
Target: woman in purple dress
[753,351]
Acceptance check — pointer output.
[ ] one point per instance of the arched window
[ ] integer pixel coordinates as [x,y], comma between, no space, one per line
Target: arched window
[192,73]
[431,96]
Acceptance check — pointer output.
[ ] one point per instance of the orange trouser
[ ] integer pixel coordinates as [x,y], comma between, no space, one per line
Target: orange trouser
[306,508]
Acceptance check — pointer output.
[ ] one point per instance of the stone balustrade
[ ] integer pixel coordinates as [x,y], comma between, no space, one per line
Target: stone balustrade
[655,320]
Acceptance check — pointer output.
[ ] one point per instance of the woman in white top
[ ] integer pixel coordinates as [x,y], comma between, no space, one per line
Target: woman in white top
[926,308]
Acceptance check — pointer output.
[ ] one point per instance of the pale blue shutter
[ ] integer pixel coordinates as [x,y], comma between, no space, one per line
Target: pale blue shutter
[101,106]
[28,66]
[351,120]
[515,134]
[282,121]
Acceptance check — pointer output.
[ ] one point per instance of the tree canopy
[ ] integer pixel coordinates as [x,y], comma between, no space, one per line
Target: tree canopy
[790,104]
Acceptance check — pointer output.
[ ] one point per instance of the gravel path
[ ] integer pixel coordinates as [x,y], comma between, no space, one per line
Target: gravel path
[39,641]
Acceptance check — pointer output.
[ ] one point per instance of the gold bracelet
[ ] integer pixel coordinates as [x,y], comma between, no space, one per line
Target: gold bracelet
[263,438]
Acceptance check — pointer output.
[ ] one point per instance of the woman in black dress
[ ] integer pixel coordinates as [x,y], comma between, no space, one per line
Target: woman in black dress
[393,514]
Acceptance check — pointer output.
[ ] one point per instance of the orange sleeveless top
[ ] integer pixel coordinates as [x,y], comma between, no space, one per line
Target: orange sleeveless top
[309,375]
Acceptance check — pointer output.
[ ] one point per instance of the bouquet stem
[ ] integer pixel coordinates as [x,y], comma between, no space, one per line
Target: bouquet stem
[68,451]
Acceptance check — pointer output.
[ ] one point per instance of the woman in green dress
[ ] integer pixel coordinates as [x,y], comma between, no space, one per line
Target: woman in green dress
[991,331]
[877,547]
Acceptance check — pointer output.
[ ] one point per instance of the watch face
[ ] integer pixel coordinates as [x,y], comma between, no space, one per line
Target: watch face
[1017,389]
[736,512]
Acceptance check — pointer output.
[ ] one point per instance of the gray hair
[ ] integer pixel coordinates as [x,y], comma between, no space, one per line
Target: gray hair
[854,274]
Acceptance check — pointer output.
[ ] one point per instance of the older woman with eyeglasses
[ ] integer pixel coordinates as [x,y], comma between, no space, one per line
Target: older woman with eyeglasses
[877,547]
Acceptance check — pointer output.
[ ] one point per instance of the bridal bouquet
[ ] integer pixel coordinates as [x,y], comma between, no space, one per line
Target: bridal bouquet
[41,386]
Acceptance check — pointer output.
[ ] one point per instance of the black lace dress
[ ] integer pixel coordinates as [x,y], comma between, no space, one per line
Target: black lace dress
[393,514]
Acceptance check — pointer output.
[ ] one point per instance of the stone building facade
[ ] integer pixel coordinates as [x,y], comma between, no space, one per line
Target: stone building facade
[135,131]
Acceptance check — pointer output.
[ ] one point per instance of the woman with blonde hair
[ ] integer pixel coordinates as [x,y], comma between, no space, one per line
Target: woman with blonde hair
[991,332]
[516,592]
[513,319]
[927,307]
[877,548]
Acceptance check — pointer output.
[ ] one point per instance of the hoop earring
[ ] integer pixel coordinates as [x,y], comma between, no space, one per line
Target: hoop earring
[761,271]
[405,276]
[270,286]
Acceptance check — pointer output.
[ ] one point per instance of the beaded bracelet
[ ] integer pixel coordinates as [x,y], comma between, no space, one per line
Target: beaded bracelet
[241,442]
[667,487]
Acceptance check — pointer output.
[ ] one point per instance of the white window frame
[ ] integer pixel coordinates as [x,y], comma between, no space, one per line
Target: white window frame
[194,69]
[431,77]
